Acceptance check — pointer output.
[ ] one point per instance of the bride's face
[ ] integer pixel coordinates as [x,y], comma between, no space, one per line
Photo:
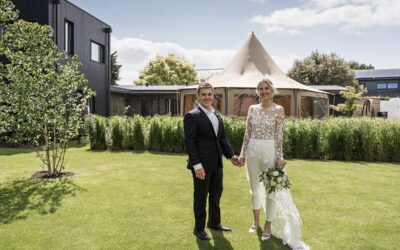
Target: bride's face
[265,91]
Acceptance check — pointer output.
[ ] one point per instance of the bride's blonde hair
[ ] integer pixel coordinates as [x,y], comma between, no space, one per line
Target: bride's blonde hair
[269,84]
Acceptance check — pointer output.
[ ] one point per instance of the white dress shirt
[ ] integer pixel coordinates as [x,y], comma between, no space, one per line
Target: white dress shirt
[215,123]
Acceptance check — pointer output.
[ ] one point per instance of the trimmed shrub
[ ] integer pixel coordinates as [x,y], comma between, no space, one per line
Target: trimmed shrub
[155,134]
[96,126]
[138,130]
[335,138]
[117,132]
[234,130]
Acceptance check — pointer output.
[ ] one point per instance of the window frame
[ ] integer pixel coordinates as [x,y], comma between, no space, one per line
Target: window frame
[68,37]
[100,51]
[381,84]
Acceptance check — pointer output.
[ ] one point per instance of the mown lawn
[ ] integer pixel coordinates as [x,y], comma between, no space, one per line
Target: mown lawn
[125,200]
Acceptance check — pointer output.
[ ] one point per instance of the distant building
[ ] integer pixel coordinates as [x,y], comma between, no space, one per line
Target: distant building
[380,82]
[333,90]
[145,100]
[77,33]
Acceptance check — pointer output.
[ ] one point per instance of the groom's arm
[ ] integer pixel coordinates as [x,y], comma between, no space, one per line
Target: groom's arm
[190,131]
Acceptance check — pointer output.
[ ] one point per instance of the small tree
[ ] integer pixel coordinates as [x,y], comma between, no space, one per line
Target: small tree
[323,69]
[41,88]
[351,94]
[115,68]
[169,70]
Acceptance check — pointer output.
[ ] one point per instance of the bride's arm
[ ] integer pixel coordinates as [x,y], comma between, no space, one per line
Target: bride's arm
[247,133]
[279,136]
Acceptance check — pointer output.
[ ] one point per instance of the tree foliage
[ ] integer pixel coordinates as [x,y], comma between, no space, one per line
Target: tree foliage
[115,68]
[357,66]
[351,95]
[323,69]
[168,70]
[40,91]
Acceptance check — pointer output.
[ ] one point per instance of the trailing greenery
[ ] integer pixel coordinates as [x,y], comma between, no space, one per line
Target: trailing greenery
[336,138]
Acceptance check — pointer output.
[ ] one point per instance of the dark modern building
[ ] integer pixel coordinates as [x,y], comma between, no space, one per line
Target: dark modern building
[380,82]
[79,33]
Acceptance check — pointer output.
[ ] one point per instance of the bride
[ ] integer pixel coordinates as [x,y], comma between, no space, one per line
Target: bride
[262,150]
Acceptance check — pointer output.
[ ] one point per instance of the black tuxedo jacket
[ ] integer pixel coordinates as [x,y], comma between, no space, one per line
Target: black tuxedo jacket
[202,145]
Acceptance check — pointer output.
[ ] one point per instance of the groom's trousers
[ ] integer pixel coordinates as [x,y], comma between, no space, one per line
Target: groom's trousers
[210,187]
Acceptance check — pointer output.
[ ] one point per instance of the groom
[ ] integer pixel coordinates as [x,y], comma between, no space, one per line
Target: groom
[205,142]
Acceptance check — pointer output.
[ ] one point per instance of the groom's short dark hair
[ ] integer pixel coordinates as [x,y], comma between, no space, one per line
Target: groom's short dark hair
[204,85]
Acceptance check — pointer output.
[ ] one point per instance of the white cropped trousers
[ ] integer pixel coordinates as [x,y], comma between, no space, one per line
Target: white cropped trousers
[260,156]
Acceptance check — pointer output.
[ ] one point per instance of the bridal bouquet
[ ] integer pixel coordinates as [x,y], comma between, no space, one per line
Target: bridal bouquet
[274,180]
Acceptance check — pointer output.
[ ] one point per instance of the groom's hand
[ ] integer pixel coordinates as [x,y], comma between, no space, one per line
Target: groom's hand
[235,160]
[200,173]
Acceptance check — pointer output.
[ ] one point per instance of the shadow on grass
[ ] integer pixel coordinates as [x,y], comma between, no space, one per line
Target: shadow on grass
[15,151]
[19,197]
[220,242]
[272,243]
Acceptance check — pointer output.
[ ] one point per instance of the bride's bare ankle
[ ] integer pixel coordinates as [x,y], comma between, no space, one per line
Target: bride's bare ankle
[267,227]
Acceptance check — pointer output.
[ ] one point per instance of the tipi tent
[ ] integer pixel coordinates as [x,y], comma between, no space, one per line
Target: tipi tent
[235,86]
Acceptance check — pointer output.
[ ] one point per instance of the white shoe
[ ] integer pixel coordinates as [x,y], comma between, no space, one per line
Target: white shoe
[265,236]
[253,229]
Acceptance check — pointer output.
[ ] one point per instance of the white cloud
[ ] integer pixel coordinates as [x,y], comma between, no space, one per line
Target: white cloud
[257,1]
[134,53]
[348,15]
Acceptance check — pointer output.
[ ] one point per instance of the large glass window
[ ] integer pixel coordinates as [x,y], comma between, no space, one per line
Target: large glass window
[381,85]
[97,52]
[69,37]
[392,85]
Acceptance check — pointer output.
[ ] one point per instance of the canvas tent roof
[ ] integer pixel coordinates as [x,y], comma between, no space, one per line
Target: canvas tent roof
[250,65]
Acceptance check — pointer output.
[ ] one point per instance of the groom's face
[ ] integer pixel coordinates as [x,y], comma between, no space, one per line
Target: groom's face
[205,97]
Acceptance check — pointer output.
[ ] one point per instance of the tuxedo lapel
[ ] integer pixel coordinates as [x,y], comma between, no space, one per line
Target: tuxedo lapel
[219,124]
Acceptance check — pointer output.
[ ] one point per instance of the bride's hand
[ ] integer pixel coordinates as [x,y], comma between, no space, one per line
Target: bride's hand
[280,163]
[242,160]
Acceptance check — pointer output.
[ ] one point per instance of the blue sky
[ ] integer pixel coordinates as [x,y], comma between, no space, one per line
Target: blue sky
[209,33]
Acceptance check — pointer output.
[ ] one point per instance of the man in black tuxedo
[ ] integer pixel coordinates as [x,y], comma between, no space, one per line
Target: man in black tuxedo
[205,142]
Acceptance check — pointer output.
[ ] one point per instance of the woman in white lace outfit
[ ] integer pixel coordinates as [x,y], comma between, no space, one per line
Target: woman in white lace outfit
[262,149]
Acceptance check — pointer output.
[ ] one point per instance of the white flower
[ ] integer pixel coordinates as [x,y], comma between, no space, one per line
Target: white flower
[275,173]
[279,179]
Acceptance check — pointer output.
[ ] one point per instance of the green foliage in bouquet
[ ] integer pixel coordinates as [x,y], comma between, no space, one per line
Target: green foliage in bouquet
[274,180]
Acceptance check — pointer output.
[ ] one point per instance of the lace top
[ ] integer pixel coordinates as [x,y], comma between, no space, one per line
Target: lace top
[265,124]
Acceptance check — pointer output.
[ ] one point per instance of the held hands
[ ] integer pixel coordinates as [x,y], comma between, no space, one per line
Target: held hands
[237,161]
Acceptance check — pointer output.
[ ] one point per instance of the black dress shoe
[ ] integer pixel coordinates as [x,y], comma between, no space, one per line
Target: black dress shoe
[220,228]
[202,235]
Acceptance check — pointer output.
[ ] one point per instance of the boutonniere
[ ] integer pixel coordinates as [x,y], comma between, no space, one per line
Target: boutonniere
[218,115]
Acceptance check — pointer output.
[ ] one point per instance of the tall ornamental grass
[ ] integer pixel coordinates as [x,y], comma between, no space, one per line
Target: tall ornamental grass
[234,130]
[118,132]
[96,127]
[335,139]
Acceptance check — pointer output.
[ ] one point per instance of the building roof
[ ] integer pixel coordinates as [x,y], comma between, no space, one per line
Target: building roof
[252,64]
[132,89]
[206,74]
[327,87]
[377,73]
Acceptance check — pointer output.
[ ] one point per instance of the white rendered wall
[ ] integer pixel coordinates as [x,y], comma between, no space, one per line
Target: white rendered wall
[392,107]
